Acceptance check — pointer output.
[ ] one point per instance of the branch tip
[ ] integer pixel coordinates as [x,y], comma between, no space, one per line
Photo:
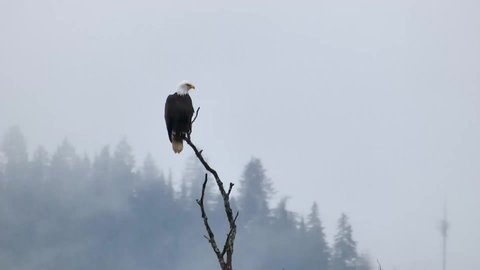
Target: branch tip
[196,115]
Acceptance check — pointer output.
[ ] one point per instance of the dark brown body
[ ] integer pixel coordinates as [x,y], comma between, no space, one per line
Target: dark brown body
[178,117]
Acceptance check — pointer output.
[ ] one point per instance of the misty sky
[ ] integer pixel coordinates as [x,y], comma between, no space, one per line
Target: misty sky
[368,107]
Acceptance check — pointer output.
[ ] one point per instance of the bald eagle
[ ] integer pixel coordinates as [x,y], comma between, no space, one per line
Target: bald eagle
[178,115]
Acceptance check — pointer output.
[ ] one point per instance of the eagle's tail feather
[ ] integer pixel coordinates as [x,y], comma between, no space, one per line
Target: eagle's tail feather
[177,146]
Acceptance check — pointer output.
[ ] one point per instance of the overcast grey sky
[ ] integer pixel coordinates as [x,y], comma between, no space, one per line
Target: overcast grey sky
[368,107]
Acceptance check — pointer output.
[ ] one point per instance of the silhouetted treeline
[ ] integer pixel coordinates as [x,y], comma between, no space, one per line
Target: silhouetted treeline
[67,211]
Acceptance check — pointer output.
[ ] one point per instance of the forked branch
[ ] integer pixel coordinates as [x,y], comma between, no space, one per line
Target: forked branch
[211,236]
[379,265]
[225,263]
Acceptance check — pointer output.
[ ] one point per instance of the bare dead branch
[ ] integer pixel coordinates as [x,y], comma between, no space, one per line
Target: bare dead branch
[196,115]
[230,189]
[379,265]
[229,235]
[211,236]
[229,242]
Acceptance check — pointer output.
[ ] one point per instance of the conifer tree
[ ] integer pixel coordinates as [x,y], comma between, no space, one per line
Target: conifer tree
[255,192]
[64,176]
[123,161]
[284,220]
[84,169]
[319,254]
[153,185]
[39,165]
[281,235]
[64,162]
[150,170]
[38,175]
[102,165]
[122,168]
[101,177]
[302,227]
[364,262]
[192,178]
[14,149]
[344,248]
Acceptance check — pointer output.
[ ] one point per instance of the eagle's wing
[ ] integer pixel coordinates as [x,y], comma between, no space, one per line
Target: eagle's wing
[168,115]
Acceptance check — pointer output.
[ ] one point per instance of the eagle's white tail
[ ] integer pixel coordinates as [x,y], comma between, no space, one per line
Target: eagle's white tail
[177,146]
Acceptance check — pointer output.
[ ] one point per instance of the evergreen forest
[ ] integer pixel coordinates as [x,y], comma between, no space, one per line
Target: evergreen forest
[63,210]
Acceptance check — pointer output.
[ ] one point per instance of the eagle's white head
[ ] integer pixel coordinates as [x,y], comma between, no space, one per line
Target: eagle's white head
[184,87]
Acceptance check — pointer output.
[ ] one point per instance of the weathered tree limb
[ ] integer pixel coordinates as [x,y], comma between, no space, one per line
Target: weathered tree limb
[196,115]
[225,264]
[211,236]
[379,265]
[229,240]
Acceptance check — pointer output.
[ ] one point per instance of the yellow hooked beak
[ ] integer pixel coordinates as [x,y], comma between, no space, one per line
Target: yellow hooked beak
[192,87]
